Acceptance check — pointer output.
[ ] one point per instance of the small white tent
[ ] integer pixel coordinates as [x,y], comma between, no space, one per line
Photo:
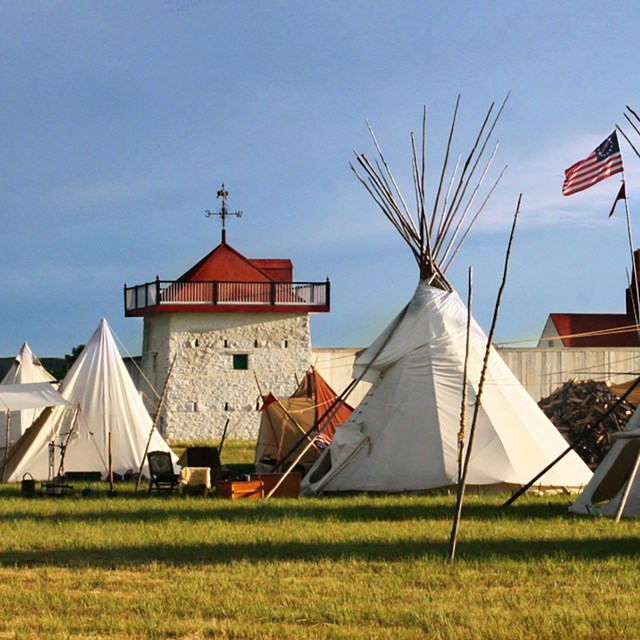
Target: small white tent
[404,435]
[609,487]
[25,369]
[106,402]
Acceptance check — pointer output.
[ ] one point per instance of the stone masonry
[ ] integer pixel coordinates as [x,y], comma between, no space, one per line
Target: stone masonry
[220,359]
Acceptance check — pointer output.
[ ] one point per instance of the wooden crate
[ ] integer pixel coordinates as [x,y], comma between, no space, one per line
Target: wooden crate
[290,487]
[236,489]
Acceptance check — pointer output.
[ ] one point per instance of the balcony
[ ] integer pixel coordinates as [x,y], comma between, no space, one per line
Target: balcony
[175,296]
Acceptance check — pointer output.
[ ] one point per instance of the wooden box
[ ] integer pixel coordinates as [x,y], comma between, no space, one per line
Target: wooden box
[290,487]
[235,489]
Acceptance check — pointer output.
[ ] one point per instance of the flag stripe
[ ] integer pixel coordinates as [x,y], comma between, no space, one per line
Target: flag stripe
[600,164]
[592,173]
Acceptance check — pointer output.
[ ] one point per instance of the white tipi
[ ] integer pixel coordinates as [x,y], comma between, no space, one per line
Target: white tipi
[25,369]
[107,404]
[404,434]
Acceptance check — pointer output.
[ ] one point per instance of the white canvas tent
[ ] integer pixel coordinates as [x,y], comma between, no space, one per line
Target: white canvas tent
[106,402]
[609,488]
[404,434]
[25,369]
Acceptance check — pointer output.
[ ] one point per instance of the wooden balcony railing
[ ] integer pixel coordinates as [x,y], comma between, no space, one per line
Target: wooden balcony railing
[262,294]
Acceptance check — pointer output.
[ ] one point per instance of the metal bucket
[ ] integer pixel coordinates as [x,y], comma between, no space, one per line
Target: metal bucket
[28,485]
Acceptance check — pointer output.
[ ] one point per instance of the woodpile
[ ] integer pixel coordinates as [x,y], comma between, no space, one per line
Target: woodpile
[579,411]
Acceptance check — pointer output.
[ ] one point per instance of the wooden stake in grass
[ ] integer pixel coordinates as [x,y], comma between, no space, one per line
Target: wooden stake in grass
[476,411]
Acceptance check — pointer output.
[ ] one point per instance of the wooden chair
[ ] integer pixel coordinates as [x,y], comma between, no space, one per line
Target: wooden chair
[163,475]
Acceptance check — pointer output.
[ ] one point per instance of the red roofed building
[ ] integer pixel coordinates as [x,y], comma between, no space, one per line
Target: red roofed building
[232,326]
[597,329]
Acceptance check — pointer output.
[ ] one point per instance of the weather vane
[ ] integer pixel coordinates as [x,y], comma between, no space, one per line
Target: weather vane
[224,212]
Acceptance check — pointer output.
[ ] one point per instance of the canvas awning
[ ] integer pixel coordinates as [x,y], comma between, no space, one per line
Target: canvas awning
[35,395]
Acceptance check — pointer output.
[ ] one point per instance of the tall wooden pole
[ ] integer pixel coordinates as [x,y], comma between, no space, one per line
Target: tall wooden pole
[465,375]
[6,444]
[476,411]
[155,422]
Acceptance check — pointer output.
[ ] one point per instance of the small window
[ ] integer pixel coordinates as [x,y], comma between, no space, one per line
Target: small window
[240,361]
[286,344]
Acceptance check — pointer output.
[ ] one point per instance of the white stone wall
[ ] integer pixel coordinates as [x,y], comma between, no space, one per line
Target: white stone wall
[204,389]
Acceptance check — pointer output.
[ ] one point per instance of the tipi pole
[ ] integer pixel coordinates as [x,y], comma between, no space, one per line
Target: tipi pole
[476,411]
[634,272]
[110,465]
[223,436]
[570,448]
[6,444]
[627,489]
[463,404]
[155,422]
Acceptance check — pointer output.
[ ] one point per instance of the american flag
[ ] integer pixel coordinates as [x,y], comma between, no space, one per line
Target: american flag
[601,163]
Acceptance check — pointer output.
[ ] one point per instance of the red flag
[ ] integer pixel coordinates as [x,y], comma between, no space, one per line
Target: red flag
[622,195]
[603,162]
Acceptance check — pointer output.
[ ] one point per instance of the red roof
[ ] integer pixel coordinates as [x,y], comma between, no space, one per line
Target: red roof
[596,329]
[226,264]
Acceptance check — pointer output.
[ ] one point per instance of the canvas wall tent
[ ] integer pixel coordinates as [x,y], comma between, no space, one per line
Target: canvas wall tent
[609,488]
[25,369]
[404,434]
[106,402]
[284,422]
[15,398]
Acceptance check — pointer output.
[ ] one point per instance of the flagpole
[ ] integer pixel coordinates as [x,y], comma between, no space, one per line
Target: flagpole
[634,272]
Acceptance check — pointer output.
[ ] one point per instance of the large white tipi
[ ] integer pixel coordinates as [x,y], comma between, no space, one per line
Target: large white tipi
[404,434]
[25,369]
[106,406]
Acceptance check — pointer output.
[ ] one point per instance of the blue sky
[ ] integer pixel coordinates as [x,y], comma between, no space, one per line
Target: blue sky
[120,120]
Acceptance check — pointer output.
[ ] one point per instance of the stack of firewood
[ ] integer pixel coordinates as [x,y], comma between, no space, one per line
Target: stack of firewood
[577,409]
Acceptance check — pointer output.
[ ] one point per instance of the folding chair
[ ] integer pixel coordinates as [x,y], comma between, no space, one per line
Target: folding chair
[163,475]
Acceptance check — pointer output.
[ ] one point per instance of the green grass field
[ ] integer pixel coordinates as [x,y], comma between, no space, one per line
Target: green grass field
[134,566]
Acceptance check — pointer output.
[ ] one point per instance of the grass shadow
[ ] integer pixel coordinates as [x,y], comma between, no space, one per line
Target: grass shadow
[211,553]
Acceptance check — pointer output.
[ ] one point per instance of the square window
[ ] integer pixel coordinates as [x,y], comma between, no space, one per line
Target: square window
[240,361]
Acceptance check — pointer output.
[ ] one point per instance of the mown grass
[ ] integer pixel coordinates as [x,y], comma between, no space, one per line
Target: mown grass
[134,566]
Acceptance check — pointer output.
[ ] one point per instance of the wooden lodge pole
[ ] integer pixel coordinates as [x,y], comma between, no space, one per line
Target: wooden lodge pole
[155,422]
[476,411]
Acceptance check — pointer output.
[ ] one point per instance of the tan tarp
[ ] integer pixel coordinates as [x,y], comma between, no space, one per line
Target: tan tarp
[285,422]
